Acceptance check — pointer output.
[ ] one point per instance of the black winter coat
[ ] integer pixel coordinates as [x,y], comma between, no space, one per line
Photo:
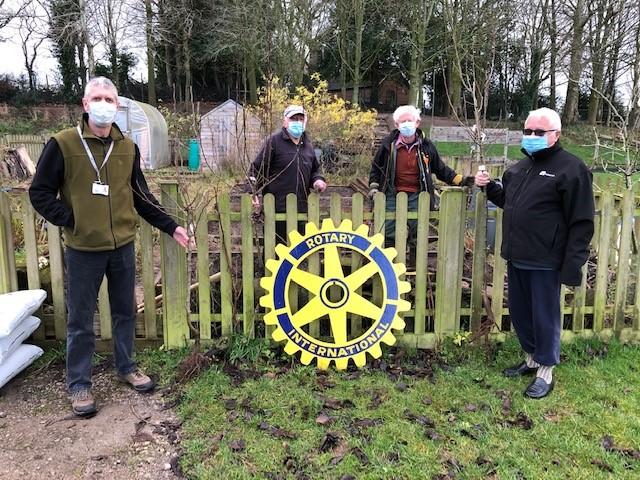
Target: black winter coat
[548,212]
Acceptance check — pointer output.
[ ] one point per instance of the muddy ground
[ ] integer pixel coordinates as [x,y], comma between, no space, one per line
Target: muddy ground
[133,436]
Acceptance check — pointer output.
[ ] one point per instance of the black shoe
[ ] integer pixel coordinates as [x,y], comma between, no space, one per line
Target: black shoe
[539,388]
[519,370]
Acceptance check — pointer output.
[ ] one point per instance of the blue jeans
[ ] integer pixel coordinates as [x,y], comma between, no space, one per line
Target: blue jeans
[85,271]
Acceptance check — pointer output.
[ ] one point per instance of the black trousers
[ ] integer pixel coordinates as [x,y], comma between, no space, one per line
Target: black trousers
[534,310]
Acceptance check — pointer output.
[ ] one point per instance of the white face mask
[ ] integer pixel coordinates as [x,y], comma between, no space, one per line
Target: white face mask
[102,113]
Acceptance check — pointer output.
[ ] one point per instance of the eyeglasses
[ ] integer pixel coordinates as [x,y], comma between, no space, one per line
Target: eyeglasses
[538,132]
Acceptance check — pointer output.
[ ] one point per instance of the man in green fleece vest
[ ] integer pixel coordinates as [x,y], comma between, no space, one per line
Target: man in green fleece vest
[89,182]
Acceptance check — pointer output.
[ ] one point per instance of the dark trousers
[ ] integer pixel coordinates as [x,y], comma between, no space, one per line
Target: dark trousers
[85,271]
[534,310]
[390,224]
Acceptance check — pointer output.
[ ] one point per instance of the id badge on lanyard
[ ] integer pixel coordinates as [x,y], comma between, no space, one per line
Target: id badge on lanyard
[97,187]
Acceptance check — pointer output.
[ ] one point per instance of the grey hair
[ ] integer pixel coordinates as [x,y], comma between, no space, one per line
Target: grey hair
[551,115]
[100,82]
[406,109]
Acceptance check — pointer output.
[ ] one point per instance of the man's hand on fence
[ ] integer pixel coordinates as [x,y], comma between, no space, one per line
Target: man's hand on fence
[255,202]
[182,237]
[319,185]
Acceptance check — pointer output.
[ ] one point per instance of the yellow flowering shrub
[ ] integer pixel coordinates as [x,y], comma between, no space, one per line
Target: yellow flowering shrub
[331,120]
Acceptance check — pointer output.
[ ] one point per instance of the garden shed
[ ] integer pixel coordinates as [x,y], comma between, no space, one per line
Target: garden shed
[146,126]
[229,136]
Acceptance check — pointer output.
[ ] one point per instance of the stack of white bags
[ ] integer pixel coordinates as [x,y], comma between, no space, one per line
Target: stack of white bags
[16,324]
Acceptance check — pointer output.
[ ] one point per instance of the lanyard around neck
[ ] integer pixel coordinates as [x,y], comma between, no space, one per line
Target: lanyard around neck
[90,155]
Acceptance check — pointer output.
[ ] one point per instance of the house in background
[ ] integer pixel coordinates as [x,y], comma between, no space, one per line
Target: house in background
[385,96]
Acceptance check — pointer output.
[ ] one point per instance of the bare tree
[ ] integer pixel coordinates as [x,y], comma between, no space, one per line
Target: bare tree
[32,34]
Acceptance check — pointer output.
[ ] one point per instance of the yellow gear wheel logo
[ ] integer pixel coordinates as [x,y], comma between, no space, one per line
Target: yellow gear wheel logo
[334,294]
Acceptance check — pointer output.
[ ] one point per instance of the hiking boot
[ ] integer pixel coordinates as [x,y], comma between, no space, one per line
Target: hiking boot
[82,403]
[138,380]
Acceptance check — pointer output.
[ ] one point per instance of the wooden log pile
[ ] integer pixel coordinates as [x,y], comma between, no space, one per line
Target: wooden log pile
[16,164]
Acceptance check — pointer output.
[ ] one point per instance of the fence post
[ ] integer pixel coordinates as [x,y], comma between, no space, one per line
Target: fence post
[422,249]
[174,277]
[31,250]
[226,257]
[9,282]
[292,224]
[450,259]
[148,281]
[314,259]
[357,219]
[269,207]
[602,270]
[204,285]
[248,305]
[499,269]
[401,227]
[56,268]
[624,254]
[479,260]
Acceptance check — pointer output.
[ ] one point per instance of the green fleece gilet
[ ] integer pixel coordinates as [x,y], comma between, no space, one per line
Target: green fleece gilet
[101,223]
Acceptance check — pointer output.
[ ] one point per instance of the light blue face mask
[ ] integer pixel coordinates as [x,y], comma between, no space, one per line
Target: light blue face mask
[533,143]
[102,113]
[407,129]
[296,129]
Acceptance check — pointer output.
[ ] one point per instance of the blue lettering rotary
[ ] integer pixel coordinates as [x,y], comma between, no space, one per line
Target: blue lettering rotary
[303,247]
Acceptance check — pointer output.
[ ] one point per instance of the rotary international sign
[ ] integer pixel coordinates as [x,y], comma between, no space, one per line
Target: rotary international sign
[334,294]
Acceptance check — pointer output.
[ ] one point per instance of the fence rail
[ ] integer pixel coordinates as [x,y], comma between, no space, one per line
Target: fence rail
[220,280]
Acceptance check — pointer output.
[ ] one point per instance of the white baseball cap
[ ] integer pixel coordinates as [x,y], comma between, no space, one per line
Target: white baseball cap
[292,110]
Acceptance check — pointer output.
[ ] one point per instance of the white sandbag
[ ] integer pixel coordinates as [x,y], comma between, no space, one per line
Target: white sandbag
[16,306]
[18,361]
[11,342]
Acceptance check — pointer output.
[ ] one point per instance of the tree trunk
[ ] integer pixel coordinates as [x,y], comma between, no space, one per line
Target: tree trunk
[252,81]
[553,56]
[151,52]
[358,6]
[596,90]
[570,111]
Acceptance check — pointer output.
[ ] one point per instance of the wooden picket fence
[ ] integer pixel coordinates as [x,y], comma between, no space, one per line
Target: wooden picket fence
[452,266]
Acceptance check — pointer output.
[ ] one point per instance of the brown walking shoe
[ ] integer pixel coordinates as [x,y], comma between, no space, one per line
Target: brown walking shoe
[82,403]
[138,380]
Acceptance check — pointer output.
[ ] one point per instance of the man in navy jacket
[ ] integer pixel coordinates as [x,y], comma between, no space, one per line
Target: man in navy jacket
[547,225]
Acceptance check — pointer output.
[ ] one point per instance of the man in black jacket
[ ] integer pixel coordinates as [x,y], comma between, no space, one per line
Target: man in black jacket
[404,163]
[547,226]
[286,164]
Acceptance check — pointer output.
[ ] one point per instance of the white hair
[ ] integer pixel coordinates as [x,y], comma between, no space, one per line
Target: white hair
[406,109]
[551,115]
[100,82]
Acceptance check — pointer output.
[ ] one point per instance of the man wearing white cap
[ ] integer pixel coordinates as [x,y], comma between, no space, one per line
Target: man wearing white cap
[286,164]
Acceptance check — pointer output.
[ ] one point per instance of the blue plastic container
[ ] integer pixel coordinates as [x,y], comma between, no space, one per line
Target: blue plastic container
[194,155]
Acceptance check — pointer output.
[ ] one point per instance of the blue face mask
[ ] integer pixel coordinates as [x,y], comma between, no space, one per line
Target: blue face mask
[407,129]
[533,143]
[295,129]
[102,113]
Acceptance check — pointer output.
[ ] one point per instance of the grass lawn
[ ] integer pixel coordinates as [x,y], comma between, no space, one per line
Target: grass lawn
[413,416]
